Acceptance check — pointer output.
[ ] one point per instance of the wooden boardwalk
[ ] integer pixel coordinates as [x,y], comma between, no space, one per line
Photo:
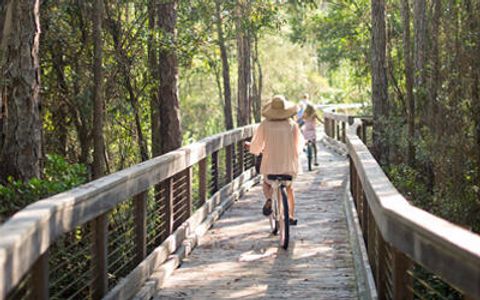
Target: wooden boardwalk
[240,259]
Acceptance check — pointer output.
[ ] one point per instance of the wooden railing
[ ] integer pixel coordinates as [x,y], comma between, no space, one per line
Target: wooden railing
[413,254]
[79,244]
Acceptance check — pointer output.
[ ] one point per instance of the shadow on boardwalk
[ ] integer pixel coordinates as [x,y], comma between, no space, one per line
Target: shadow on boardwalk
[239,258]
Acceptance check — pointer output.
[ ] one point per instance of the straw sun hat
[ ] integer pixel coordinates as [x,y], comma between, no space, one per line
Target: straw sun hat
[279,108]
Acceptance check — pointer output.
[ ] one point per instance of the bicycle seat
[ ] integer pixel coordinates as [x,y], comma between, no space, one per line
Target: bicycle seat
[279,177]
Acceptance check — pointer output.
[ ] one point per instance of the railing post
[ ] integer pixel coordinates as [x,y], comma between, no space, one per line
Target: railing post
[368,220]
[344,132]
[40,278]
[353,178]
[229,163]
[203,181]
[359,132]
[381,265]
[241,157]
[140,217]
[364,134]
[371,240]
[214,171]
[401,281]
[351,120]
[169,204]
[100,258]
[337,131]
[189,192]
[325,125]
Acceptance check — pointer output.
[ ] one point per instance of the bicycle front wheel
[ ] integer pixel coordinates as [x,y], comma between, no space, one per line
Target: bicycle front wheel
[284,220]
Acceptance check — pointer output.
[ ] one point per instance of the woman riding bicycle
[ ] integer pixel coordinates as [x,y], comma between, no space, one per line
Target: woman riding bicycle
[280,141]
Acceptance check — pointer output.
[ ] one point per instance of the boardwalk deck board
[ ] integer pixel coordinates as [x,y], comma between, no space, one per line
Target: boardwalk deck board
[239,258]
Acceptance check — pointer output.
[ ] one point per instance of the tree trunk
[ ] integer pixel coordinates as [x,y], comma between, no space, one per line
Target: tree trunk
[225,68]
[168,103]
[407,53]
[434,80]
[420,20]
[125,67]
[21,146]
[153,68]
[243,57]
[98,139]
[257,82]
[379,81]
[474,24]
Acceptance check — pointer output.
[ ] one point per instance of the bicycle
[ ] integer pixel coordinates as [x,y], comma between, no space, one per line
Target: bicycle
[279,218]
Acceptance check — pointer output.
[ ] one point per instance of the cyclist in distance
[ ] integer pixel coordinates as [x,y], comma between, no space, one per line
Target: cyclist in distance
[309,128]
[301,109]
[280,141]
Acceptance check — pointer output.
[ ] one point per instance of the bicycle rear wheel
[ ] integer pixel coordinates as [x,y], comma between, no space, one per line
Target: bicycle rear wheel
[284,220]
[309,155]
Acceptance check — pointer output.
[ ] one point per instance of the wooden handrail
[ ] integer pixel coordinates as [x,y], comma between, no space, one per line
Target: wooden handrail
[27,235]
[445,249]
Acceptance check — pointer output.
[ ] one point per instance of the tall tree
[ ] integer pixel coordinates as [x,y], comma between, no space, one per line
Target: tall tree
[421,39]
[21,140]
[243,58]
[227,93]
[168,104]
[153,70]
[434,65]
[379,79]
[125,61]
[408,61]
[98,138]
[257,81]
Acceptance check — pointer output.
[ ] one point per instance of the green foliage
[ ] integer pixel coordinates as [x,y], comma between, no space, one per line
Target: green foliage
[291,69]
[410,183]
[60,176]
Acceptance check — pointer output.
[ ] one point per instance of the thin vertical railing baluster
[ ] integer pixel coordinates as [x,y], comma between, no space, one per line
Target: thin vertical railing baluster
[229,163]
[203,181]
[100,254]
[40,278]
[140,219]
[344,132]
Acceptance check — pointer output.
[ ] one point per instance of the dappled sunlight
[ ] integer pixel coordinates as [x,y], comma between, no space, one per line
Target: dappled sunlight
[254,255]
[239,258]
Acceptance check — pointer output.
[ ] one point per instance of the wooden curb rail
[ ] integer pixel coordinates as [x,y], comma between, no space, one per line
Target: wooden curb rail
[27,236]
[448,250]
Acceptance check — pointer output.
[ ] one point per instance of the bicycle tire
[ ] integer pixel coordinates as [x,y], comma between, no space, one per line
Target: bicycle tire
[309,155]
[285,220]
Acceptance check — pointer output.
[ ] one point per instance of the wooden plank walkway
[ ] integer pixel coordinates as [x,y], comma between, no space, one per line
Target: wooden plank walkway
[240,259]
